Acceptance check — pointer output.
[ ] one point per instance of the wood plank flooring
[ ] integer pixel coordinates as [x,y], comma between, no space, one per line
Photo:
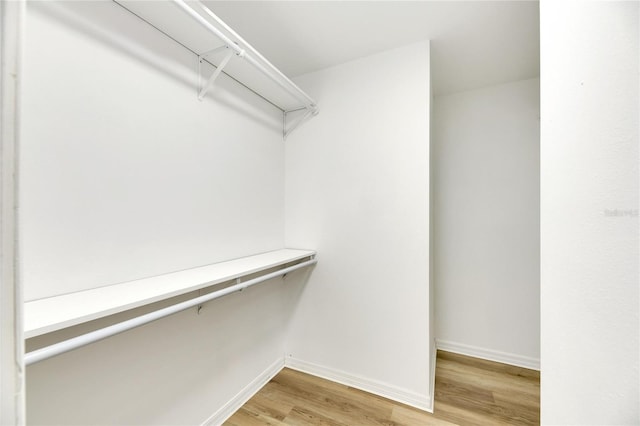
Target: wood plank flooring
[469,391]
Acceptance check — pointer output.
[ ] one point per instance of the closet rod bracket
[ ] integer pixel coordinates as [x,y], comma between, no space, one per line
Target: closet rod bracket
[287,128]
[207,86]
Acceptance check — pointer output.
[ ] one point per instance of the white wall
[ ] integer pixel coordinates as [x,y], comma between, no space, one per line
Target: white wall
[125,174]
[486,216]
[357,190]
[589,215]
[432,293]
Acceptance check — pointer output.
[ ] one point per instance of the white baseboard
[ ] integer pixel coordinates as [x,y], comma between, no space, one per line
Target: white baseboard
[432,385]
[244,395]
[423,402]
[489,354]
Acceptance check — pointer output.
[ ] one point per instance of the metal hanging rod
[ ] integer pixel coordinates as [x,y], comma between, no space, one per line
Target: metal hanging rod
[97,335]
[244,50]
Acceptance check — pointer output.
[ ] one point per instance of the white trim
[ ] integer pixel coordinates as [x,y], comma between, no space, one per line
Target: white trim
[422,402]
[12,408]
[432,385]
[235,403]
[489,354]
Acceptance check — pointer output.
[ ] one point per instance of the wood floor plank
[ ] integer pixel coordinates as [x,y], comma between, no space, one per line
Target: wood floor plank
[526,400]
[464,416]
[468,391]
[489,365]
[268,408]
[300,416]
[244,417]
[408,416]
[360,399]
[344,403]
[493,381]
[463,391]
[321,404]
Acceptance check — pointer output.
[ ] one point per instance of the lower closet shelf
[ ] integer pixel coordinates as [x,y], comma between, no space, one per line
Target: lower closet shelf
[55,313]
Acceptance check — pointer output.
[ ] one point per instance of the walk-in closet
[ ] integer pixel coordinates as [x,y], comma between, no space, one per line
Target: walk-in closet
[319,212]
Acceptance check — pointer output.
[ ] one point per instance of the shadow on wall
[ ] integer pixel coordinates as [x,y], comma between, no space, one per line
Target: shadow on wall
[155,373]
[294,284]
[103,22]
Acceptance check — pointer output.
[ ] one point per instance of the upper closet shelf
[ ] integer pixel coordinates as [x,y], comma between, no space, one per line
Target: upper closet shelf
[54,313]
[195,26]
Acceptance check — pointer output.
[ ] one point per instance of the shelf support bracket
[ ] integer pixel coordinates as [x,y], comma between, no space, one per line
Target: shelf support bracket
[286,130]
[216,73]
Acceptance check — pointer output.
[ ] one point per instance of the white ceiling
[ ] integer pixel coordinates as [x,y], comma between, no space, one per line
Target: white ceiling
[474,43]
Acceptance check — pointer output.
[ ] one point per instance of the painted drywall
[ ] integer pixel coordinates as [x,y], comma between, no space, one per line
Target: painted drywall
[357,190]
[432,294]
[124,173]
[486,217]
[589,212]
